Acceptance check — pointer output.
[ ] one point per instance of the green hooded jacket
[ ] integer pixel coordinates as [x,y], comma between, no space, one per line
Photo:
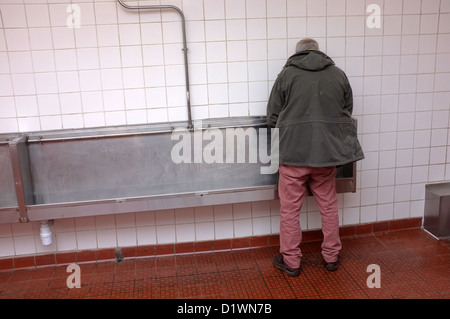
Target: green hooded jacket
[311,104]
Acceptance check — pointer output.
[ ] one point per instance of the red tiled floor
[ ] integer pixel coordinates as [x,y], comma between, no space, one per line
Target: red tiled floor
[412,263]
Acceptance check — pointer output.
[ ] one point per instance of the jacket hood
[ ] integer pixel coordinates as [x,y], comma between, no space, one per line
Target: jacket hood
[310,60]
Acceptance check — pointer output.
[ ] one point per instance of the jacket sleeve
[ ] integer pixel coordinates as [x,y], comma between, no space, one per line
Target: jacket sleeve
[275,104]
[348,96]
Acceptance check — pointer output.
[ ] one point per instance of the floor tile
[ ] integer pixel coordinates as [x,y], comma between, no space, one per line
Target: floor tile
[412,265]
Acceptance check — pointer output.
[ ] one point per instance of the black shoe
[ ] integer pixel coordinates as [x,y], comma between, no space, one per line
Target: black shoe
[280,264]
[331,266]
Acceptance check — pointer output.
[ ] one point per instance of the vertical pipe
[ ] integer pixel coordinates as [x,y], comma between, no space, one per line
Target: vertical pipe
[185,49]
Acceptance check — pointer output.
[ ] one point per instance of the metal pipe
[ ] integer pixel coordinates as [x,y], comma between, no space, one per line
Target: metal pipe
[185,49]
[141,130]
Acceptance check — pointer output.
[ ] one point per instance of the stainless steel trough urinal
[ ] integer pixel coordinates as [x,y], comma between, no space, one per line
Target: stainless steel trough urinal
[87,172]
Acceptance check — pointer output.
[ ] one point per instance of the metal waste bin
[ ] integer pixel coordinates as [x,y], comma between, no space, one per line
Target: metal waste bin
[437,210]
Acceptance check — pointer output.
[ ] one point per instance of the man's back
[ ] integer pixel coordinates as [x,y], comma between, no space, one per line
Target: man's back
[311,104]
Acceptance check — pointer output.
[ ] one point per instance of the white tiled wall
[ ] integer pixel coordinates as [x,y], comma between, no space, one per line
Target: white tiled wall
[121,67]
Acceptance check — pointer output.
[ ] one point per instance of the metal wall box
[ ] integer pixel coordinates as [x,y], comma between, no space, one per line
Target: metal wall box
[437,210]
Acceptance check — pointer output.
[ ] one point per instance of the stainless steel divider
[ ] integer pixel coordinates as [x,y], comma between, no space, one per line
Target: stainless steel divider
[9,210]
[22,175]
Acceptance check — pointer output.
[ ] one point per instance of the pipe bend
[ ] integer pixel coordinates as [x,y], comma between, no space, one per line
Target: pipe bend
[185,49]
[153,6]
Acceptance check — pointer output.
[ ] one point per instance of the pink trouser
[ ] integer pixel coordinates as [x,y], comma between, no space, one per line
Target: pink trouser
[292,190]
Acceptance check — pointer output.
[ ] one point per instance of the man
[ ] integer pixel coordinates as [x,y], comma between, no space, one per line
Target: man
[311,104]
